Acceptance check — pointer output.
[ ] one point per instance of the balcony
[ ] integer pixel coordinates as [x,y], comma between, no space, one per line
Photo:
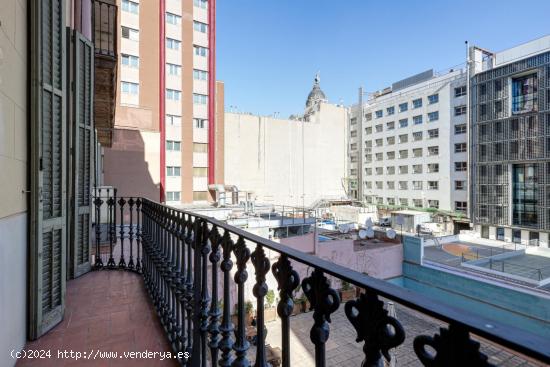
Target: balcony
[198,273]
[105,77]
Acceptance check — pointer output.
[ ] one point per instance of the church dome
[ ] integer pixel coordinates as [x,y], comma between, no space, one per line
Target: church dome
[316,94]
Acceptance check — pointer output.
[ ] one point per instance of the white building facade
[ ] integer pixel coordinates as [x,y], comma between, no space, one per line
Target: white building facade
[408,144]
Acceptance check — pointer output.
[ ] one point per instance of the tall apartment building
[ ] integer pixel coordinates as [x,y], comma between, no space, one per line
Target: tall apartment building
[168,135]
[510,140]
[408,144]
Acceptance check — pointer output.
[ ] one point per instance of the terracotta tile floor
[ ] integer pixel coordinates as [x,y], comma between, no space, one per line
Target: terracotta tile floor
[107,311]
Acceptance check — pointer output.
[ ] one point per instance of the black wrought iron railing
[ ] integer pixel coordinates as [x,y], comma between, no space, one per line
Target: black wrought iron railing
[195,269]
[105,27]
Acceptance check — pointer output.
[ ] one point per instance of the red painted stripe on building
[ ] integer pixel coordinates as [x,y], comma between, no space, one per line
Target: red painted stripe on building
[162,96]
[211,92]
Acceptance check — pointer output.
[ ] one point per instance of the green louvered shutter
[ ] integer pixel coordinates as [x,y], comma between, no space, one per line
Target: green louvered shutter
[83,145]
[48,166]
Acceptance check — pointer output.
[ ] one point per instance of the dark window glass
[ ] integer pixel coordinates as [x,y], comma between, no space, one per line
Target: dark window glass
[524,195]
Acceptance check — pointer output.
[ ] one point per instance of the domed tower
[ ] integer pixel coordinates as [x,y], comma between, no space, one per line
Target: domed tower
[316,95]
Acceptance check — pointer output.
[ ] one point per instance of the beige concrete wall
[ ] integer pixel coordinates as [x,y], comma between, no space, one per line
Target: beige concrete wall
[281,159]
[13,177]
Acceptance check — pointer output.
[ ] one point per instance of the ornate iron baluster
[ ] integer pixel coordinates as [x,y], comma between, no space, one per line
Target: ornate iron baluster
[98,202]
[215,312]
[324,301]
[372,323]
[453,347]
[131,203]
[261,266]
[226,344]
[189,294]
[205,299]
[111,209]
[122,261]
[287,280]
[138,234]
[242,253]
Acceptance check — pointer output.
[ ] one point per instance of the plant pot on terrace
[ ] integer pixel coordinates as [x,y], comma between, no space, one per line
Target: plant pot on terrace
[347,292]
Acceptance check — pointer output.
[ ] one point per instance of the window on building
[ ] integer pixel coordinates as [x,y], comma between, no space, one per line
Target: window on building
[378,142]
[390,125]
[390,110]
[417,120]
[434,98]
[460,91]
[403,170]
[368,130]
[380,201]
[200,171]
[460,110]
[390,170]
[433,133]
[379,128]
[200,148]
[173,44]
[403,185]
[460,185]
[433,116]
[368,184]
[460,129]
[200,98]
[200,3]
[433,151]
[524,195]
[379,185]
[417,152]
[368,171]
[390,140]
[200,74]
[403,154]
[379,156]
[200,27]
[353,146]
[417,203]
[500,234]
[417,136]
[173,69]
[378,114]
[404,138]
[173,120]
[417,168]
[498,106]
[353,172]
[524,94]
[390,201]
[130,60]
[129,88]
[172,195]
[498,85]
[516,235]
[368,116]
[173,95]
[483,89]
[130,33]
[460,148]
[353,133]
[200,123]
[368,158]
[130,6]
[417,185]
[461,166]
[200,51]
[403,107]
[173,145]
[482,111]
[390,185]
[390,155]
[417,103]
[368,143]
[461,206]
[200,195]
[433,185]
[433,167]
[173,171]
[403,123]
[173,19]
[353,121]
[404,202]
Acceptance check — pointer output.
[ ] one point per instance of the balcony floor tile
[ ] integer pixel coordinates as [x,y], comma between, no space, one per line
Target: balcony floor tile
[109,311]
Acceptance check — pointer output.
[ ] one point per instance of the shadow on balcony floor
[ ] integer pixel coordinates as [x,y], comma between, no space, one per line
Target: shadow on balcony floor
[107,311]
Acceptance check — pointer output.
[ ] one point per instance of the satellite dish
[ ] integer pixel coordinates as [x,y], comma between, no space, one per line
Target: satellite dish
[370,233]
[391,234]
[368,223]
[362,234]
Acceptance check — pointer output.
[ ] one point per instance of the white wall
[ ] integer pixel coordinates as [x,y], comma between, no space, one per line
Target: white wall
[13,177]
[281,159]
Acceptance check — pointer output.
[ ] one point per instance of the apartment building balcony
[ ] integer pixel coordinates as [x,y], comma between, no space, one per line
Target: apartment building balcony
[169,280]
[106,51]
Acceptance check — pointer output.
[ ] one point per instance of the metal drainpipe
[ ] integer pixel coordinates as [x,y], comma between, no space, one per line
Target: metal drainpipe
[212,92]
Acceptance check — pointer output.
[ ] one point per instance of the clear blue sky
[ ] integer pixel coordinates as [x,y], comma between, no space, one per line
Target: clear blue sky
[268,51]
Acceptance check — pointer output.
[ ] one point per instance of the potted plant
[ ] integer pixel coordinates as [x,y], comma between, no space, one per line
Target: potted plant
[249,311]
[305,303]
[347,292]
[270,312]
[298,300]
